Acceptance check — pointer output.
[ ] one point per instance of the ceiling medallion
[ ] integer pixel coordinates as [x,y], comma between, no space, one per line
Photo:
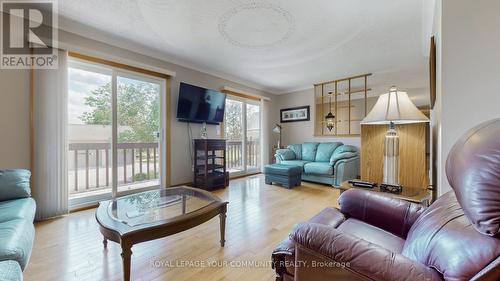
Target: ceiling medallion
[279,27]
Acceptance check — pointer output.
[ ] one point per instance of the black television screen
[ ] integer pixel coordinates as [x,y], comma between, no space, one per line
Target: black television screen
[197,104]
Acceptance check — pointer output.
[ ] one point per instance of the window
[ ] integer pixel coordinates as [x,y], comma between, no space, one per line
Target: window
[242,123]
[116,131]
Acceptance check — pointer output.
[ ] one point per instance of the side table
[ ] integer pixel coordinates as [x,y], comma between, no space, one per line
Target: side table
[410,194]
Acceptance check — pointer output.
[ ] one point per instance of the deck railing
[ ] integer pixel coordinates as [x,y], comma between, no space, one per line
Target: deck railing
[234,157]
[90,164]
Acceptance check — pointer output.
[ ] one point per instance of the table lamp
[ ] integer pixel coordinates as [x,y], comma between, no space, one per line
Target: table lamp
[394,107]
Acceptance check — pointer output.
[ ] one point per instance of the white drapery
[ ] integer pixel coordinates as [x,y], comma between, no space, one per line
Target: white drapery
[50,172]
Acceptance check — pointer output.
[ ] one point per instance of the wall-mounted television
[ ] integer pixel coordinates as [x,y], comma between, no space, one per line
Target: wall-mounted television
[198,105]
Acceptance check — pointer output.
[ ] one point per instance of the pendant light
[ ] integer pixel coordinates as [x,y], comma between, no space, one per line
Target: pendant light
[330,118]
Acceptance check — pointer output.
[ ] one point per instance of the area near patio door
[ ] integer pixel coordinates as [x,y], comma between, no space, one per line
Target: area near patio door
[115,131]
[242,131]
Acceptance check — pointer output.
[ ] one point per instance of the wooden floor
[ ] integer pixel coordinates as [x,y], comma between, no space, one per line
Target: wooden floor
[259,216]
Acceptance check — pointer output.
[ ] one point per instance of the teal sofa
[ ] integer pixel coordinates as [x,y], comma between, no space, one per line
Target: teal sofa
[17,212]
[327,162]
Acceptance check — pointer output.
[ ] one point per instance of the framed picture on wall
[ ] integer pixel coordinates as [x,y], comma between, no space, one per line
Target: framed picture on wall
[295,114]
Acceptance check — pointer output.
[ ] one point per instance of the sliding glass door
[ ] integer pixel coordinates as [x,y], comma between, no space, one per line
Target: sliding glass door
[89,130]
[242,133]
[115,132]
[252,136]
[233,132]
[138,132]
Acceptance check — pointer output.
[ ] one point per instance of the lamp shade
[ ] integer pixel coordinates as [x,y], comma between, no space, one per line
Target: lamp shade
[277,129]
[395,107]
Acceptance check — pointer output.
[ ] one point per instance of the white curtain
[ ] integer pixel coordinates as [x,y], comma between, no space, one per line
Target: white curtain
[50,91]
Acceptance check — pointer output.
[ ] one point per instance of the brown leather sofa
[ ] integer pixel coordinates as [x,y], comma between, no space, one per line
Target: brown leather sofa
[374,237]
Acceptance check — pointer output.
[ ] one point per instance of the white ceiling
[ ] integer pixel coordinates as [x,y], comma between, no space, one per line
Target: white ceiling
[277,45]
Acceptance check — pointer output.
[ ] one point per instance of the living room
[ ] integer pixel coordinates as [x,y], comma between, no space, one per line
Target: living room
[250,140]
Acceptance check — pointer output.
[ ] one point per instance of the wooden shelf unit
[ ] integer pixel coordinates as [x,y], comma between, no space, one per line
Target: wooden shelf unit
[210,164]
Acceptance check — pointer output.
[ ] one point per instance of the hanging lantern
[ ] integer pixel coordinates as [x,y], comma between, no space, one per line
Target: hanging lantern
[330,121]
[330,118]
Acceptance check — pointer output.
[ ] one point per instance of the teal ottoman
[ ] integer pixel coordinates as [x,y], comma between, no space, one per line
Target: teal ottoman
[286,175]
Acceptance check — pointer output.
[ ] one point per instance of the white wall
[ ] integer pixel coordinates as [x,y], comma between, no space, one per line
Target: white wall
[14,105]
[470,71]
[180,158]
[436,173]
[14,119]
[299,132]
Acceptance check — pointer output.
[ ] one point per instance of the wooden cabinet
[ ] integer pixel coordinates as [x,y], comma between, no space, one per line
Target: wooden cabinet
[210,164]
[414,168]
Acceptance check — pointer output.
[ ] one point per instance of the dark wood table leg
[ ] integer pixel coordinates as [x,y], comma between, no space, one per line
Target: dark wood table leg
[105,242]
[126,257]
[222,217]
[183,204]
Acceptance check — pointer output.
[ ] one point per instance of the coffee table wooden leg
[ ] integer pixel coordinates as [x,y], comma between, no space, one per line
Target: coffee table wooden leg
[126,257]
[105,242]
[222,217]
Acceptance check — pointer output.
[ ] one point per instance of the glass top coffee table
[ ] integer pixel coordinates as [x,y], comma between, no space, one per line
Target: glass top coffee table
[154,214]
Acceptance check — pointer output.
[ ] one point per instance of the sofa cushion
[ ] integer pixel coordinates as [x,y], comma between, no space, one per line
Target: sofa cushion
[17,209]
[319,168]
[309,151]
[372,234]
[11,271]
[297,149]
[325,151]
[343,152]
[16,240]
[443,238]
[14,184]
[299,163]
[286,154]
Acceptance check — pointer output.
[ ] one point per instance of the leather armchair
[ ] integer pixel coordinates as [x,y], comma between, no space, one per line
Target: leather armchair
[376,237]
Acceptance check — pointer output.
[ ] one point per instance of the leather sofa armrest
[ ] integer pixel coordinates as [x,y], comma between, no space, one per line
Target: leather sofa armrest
[346,169]
[279,257]
[327,252]
[391,214]
[284,154]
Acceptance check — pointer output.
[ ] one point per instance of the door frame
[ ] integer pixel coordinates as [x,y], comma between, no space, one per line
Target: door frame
[244,102]
[259,163]
[165,141]
[161,141]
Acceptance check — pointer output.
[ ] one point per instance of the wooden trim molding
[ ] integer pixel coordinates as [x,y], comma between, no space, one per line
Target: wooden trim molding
[168,126]
[32,124]
[344,79]
[337,136]
[118,65]
[340,115]
[240,95]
